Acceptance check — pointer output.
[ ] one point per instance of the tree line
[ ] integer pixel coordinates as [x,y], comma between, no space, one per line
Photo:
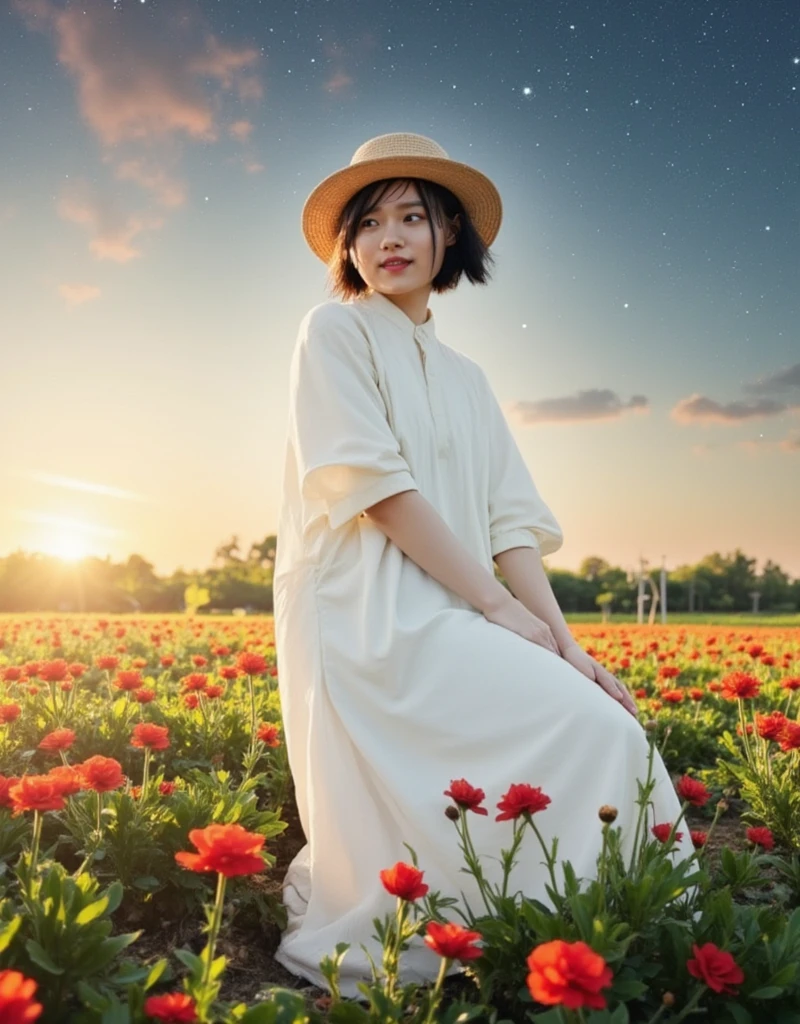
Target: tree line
[35,582]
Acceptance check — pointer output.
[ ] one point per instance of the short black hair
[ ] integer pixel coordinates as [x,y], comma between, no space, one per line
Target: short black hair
[468,255]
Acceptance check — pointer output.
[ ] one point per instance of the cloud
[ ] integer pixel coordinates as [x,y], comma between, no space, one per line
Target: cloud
[77,294]
[240,130]
[788,444]
[140,75]
[592,404]
[701,409]
[782,380]
[112,231]
[148,80]
[74,484]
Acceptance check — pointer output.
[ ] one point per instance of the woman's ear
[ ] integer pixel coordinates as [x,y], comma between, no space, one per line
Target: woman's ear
[455,227]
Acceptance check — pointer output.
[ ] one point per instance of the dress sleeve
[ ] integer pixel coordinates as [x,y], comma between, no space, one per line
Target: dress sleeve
[517,515]
[347,455]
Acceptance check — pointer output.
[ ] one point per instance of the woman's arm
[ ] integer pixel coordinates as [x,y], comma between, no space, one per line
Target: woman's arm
[414,525]
[523,570]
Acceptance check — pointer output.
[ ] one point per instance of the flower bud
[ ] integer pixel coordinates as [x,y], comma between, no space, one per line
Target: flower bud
[608,814]
[452,813]
[722,806]
[668,999]
[651,725]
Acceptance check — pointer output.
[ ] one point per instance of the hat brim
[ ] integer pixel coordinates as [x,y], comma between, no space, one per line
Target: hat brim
[323,207]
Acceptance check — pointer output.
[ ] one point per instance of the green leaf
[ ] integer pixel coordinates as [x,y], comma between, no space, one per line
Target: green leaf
[90,997]
[92,911]
[8,931]
[738,1013]
[194,963]
[147,882]
[767,992]
[156,971]
[40,957]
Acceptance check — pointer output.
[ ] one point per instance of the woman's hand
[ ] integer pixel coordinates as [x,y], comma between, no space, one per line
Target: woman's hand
[593,670]
[513,615]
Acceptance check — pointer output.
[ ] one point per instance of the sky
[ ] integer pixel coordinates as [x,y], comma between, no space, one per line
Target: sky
[641,330]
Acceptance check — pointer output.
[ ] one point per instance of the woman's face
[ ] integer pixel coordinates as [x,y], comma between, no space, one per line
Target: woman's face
[399,228]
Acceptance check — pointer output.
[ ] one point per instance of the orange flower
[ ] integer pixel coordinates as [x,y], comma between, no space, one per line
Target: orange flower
[466,796]
[67,778]
[147,734]
[129,679]
[521,799]
[6,782]
[568,974]
[452,942]
[17,1005]
[36,793]
[770,726]
[404,881]
[251,664]
[194,681]
[789,738]
[9,713]
[144,696]
[101,773]
[172,1008]
[716,968]
[58,739]
[740,685]
[54,671]
[269,733]
[227,849]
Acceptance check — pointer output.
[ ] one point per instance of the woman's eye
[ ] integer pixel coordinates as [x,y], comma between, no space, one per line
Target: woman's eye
[368,219]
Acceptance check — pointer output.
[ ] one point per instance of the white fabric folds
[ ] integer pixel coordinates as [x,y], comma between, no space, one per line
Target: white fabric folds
[391,685]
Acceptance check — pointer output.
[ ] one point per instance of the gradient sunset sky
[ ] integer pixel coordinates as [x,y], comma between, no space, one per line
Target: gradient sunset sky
[642,328]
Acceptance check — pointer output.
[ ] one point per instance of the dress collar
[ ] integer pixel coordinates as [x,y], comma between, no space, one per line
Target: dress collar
[387,308]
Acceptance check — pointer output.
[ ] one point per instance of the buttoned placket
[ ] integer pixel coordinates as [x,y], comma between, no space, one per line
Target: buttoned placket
[426,343]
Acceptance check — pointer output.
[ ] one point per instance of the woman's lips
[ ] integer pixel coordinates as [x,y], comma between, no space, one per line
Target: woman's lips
[395,267]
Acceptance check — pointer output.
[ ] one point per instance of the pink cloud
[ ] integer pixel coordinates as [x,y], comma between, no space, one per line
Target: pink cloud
[112,231]
[701,409]
[78,294]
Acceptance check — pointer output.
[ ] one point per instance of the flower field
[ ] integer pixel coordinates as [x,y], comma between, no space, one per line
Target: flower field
[147,818]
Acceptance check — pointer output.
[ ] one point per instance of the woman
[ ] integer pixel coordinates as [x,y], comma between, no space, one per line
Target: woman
[403,662]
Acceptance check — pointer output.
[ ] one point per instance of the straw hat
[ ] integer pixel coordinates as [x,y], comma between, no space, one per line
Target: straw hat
[398,155]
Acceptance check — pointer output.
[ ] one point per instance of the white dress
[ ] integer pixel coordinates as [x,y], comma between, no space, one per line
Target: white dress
[391,685]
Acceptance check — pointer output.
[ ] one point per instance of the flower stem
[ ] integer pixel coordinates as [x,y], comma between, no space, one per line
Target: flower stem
[213,931]
[37,833]
[436,995]
[146,773]
[251,687]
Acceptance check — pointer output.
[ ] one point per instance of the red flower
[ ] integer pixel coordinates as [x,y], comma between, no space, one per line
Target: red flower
[17,1005]
[693,791]
[251,664]
[672,696]
[214,691]
[108,661]
[144,696]
[6,782]
[789,738]
[54,671]
[269,734]
[668,672]
[147,734]
[67,778]
[568,974]
[451,941]
[466,796]
[166,788]
[101,773]
[404,881]
[227,849]
[699,838]
[173,1008]
[36,793]
[740,685]
[521,799]
[661,832]
[9,713]
[130,679]
[58,739]
[761,836]
[716,968]
[770,726]
[194,681]
[695,693]
[191,700]
[791,684]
